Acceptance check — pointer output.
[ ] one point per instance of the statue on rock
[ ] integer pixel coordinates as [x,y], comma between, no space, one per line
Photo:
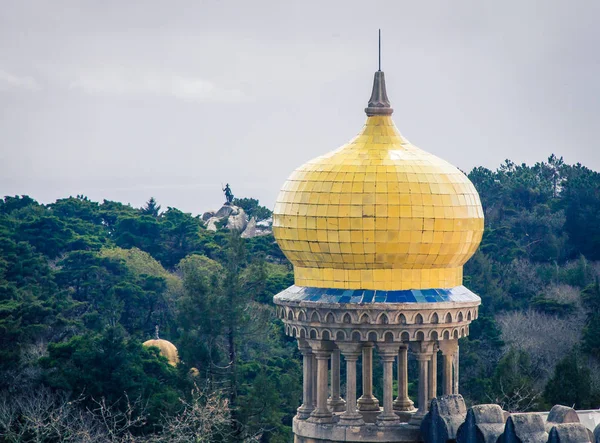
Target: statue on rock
[228,194]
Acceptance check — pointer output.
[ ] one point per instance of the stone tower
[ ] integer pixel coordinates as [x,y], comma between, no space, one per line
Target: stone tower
[378,232]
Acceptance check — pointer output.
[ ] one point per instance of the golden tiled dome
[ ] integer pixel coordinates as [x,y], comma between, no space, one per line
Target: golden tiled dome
[378,213]
[167,349]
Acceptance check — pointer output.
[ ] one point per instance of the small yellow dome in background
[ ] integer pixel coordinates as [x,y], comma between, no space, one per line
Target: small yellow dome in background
[167,349]
[378,213]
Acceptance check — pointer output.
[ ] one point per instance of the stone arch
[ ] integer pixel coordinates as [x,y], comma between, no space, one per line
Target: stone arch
[446,334]
[347,318]
[383,319]
[315,317]
[455,333]
[460,316]
[340,335]
[419,335]
[405,336]
[290,315]
[372,336]
[433,335]
[294,332]
[469,316]
[462,332]
[401,319]
[326,334]
[434,318]
[329,318]
[388,336]
[287,330]
[448,318]
[302,316]
[313,334]
[365,318]
[418,319]
[356,336]
[302,333]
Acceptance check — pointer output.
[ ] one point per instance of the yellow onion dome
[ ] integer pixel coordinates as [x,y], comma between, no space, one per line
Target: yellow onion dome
[378,213]
[166,348]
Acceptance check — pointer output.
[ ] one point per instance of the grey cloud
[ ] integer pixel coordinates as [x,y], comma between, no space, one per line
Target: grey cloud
[147,97]
[120,81]
[10,81]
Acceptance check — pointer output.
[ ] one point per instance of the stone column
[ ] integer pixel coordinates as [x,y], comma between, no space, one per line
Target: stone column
[313,384]
[351,352]
[322,352]
[423,351]
[456,363]
[423,360]
[367,402]
[448,348]
[403,402]
[448,374]
[335,402]
[432,379]
[388,352]
[307,390]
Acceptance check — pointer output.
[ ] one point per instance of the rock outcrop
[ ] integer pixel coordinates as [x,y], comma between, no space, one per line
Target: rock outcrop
[235,218]
[250,230]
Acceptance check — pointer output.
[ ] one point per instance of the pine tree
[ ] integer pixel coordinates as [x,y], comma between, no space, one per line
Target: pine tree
[152,208]
[591,332]
[571,383]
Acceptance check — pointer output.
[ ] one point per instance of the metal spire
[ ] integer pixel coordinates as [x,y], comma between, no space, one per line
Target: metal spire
[380,49]
[379,103]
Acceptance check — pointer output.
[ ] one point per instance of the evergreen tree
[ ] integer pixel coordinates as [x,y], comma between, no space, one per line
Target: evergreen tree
[570,385]
[591,332]
[152,208]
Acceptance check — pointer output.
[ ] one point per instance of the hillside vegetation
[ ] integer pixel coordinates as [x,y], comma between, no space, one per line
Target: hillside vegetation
[83,284]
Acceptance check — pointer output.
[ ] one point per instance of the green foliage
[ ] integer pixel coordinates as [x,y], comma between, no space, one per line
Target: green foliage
[542,227]
[571,384]
[108,365]
[512,385]
[591,331]
[552,307]
[152,208]
[83,284]
[252,207]
[582,208]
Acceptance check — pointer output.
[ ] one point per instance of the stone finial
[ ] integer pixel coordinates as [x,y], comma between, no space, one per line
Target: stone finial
[442,421]
[484,424]
[569,433]
[524,428]
[379,103]
[561,414]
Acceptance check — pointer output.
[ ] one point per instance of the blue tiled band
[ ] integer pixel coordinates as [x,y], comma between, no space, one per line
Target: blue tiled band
[328,295]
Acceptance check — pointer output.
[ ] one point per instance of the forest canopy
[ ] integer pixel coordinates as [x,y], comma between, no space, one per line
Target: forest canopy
[83,284]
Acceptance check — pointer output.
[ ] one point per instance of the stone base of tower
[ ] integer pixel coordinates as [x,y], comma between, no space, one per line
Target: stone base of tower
[335,326]
[307,432]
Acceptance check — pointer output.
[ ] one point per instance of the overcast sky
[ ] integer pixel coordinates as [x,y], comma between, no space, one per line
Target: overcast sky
[126,99]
